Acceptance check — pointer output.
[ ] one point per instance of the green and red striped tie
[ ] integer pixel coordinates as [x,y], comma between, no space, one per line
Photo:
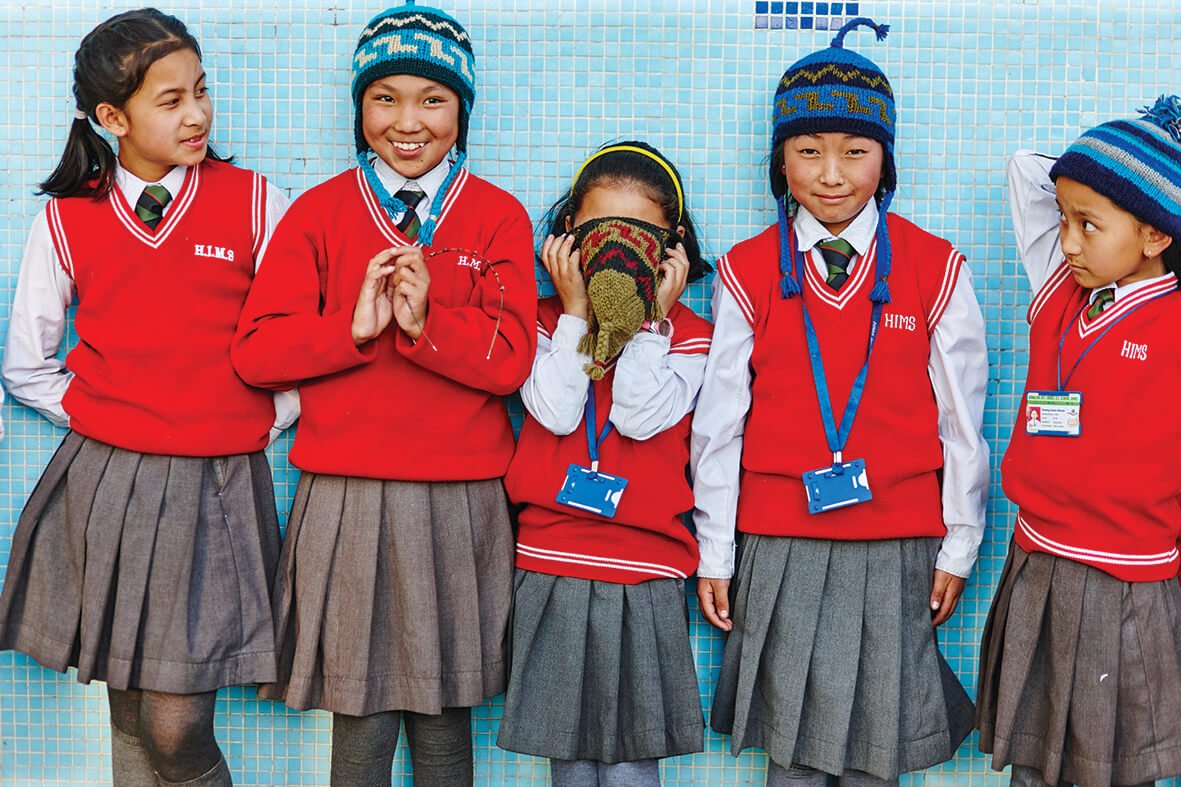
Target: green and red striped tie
[150,205]
[836,253]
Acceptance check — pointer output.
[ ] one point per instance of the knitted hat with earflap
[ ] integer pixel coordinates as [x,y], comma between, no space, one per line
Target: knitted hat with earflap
[835,90]
[424,42]
[1135,163]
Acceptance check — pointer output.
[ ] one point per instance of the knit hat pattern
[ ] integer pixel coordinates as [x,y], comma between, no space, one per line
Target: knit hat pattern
[837,90]
[1135,163]
[621,267]
[421,41]
[425,42]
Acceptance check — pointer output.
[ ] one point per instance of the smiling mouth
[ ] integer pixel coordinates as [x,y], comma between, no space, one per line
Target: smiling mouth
[409,147]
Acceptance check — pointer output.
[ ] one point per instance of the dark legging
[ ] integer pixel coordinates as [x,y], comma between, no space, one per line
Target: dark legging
[440,748]
[162,738]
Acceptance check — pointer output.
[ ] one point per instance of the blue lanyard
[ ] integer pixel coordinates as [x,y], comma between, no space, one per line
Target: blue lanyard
[1070,326]
[836,440]
[591,443]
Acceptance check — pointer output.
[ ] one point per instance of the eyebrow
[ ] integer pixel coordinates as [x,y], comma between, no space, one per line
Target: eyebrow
[171,90]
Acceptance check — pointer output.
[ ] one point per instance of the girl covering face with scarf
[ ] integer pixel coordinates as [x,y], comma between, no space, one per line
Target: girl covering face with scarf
[602,553]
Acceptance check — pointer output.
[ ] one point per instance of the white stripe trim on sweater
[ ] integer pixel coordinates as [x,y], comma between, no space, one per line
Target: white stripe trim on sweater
[599,561]
[1094,556]
[1052,283]
[731,283]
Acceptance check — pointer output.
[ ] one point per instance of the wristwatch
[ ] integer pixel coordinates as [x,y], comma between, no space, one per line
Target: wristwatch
[661,328]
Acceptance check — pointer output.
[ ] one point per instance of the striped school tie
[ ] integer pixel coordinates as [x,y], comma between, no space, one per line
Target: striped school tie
[409,224]
[150,205]
[1102,299]
[836,253]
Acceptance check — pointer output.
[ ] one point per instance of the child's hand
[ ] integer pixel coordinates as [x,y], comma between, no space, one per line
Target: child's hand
[713,597]
[408,287]
[945,596]
[374,308]
[676,276]
[560,259]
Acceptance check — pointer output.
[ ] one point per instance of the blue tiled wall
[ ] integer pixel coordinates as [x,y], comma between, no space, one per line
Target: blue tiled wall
[975,80]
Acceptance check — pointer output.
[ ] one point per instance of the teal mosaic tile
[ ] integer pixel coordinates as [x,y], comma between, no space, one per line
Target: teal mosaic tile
[975,80]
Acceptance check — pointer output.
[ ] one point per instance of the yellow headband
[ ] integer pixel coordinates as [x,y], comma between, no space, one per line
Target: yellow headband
[632,149]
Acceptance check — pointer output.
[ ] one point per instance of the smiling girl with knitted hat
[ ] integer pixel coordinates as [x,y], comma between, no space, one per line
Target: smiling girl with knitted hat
[1080,667]
[839,429]
[400,297]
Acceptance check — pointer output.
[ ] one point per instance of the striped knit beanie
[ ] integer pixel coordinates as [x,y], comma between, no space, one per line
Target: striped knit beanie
[1135,163]
[420,41]
[835,90]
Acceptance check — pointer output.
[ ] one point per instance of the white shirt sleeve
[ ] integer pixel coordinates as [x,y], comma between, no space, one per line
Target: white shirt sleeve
[32,372]
[715,447]
[958,367]
[653,388]
[555,391]
[286,402]
[1032,199]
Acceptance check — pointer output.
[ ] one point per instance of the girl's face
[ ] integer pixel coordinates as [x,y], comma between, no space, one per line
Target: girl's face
[410,122]
[166,122]
[624,200]
[1102,242]
[833,175]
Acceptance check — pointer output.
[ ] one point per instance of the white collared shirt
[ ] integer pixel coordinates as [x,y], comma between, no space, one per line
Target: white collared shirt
[429,184]
[958,368]
[32,372]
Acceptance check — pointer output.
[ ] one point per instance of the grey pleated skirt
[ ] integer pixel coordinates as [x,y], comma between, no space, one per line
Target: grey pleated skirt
[393,595]
[601,671]
[145,571]
[833,662]
[1080,673]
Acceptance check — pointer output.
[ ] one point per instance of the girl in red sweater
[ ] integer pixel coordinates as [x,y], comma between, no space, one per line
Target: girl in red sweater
[400,296]
[1080,667]
[145,555]
[603,680]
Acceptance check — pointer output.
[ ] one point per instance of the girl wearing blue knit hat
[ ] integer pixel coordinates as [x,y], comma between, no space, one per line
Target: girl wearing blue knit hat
[839,429]
[400,297]
[1080,667]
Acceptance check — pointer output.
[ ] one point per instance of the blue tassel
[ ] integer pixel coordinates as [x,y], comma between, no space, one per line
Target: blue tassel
[862,21]
[789,285]
[426,233]
[392,205]
[1166,113]
[881,272]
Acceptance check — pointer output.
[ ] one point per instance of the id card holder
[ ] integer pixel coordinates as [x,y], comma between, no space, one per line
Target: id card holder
[839,485]
[1053,413]
[591,490]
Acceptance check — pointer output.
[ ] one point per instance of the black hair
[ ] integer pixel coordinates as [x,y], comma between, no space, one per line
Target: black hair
[628,167]
[109,67]
[1171,257]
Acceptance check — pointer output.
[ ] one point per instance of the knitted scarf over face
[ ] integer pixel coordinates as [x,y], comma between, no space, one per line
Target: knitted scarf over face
[620,260]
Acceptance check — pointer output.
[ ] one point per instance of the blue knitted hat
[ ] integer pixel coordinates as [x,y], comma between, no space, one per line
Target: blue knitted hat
[1134,163]
[835,90]
[425,42]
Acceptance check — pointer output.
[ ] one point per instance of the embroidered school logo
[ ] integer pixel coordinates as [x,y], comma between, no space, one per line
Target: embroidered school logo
[1137,352]
[213,252]
[900,322]
[468,261]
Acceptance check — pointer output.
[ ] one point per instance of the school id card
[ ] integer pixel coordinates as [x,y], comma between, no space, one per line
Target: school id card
[839,485]
[592,491]
[1053,413]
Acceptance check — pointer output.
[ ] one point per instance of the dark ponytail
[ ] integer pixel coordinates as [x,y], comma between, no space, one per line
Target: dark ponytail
[109,67]
[1171,257]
